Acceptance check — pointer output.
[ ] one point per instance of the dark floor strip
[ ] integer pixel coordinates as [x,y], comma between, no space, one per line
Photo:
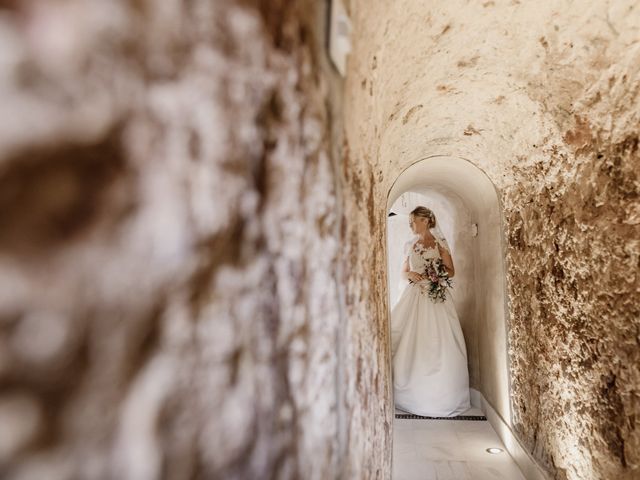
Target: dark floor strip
[459,417]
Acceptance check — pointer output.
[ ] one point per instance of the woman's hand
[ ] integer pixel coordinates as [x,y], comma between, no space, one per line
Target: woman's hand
[414,277]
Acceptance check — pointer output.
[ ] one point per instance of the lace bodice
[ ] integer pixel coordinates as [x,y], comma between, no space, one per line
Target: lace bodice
[419,256]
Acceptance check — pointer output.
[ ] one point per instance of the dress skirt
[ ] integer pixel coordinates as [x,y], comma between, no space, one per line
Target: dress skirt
[430,375]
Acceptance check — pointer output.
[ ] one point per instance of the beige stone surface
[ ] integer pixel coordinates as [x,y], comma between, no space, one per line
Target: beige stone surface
[544,97]
[192,251]
[168,241]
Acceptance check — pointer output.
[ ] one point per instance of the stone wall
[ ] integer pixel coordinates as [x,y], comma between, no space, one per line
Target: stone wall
[192,285]
[168,241]
[544,97]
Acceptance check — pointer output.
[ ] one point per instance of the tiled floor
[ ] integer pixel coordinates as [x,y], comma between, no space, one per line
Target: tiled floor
[449,450]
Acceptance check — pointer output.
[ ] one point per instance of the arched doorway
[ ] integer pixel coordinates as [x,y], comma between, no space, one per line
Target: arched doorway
[471,194]
[465,198]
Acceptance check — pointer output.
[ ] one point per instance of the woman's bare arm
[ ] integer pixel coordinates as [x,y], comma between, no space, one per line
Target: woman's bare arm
[447,261]
[405,266]
[407,274]
[405,269]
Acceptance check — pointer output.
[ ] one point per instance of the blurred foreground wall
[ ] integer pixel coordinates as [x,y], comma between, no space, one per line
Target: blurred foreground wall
[168,241]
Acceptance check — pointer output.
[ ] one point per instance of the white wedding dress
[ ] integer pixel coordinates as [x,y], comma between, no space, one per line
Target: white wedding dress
[430,375]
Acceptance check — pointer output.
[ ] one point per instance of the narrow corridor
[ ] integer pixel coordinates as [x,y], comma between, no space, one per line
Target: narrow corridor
[198,261]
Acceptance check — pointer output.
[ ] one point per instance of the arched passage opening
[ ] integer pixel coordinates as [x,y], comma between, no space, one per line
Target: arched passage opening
[472,199]
[467,203]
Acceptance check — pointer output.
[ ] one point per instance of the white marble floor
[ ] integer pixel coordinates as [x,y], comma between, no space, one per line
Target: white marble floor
[449,450]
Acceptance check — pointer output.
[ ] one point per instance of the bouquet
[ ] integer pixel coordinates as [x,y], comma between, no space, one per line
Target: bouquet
[439,280]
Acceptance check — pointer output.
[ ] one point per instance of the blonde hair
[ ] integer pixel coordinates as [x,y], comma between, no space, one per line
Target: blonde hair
[424,212]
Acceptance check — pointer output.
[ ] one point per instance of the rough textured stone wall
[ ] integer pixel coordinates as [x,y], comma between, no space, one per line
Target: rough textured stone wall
[545,98]
[168,241]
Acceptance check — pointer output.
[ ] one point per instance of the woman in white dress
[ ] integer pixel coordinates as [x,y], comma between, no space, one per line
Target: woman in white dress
[430,375]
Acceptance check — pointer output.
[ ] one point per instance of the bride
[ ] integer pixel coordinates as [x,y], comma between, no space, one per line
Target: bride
[430,375]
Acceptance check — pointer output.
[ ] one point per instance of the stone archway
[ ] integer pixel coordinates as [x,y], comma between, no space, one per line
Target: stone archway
[486,309]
